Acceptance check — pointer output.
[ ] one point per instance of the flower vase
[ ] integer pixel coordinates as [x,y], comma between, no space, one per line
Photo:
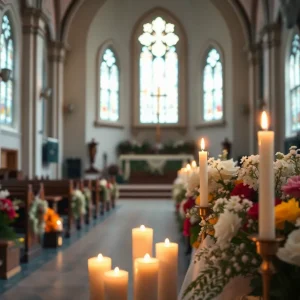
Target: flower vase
[9,259]
[52,239]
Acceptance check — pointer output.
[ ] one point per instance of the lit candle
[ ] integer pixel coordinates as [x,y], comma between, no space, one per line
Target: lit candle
[194,164]
[146,278]
[266,181]
[167,254]
[203,175]
[97,267]
[59,226]
[116,284]
[188,170]
[142,241]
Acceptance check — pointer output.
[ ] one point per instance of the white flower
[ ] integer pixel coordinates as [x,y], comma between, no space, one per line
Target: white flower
[228,271]
[245,258]
[290,253]
[193,182]
[227,227]
[4,194]
[103,182]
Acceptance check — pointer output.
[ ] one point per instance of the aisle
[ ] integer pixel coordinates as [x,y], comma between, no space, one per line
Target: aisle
[66,277]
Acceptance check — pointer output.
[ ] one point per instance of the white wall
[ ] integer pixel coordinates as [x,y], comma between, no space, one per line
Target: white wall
[115,21]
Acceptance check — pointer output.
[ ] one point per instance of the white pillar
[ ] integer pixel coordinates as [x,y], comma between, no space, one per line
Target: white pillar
[57,56]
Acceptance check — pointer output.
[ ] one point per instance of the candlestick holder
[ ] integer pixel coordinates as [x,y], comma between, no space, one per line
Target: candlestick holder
[204,212]
[267,249]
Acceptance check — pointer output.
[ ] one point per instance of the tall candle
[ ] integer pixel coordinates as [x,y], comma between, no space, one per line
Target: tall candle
[203,175]
[97,266]
[142,241]
[116,284]
[266,181]
[167,254]
[146,278]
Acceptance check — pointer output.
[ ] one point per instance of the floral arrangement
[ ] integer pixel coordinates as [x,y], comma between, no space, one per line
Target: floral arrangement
[36,213]
[105,190]
[52,221]
[7,215]
[78,204]
[134,147]
[88,197]
[228,253]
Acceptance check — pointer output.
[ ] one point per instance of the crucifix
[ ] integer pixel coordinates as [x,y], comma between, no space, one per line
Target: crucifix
[158,132]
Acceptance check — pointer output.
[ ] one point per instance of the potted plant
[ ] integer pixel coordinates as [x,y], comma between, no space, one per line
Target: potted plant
[9,250]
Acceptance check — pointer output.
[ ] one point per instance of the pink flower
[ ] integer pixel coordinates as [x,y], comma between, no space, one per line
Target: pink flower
[292,187]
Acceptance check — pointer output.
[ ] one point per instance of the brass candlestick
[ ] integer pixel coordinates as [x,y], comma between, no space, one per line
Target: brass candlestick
[267,249]
[204,212]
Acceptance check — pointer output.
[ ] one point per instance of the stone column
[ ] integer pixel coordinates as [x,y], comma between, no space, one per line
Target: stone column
[33,34]
[57,52]
[272,74]
[254,57]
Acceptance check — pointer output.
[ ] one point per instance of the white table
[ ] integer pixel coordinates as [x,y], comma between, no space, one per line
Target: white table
[156,162]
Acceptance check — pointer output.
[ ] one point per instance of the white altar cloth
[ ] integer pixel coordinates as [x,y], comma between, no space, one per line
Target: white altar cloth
[156,162]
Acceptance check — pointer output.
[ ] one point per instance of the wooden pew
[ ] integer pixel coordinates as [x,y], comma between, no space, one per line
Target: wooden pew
[21,190]
[63,189]
[93,185]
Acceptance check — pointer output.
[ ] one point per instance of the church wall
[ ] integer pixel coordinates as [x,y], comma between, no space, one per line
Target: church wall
[203,24]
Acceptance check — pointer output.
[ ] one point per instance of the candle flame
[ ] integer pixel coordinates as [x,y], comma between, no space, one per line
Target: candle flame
[264,121]
[142,227]
[100,257]
[116,270]
[202,144]
[194,164]
[58,222]
[167,242]
[147,257]
[188,167]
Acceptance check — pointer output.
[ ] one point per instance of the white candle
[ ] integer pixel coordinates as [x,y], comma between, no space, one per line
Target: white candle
[97,266]
[167,254]
[59,225]
[266,181]
[203,175]
[194,165]
[146,278]
[142,241]
[116,284]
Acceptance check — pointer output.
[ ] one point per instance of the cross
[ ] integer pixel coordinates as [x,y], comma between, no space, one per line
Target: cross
[158,133]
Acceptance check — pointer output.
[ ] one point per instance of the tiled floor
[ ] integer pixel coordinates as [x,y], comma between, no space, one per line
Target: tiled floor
[65,275]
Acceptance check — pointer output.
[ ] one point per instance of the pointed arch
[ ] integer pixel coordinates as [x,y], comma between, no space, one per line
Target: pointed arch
[212,84]
[159,51]
[108,84]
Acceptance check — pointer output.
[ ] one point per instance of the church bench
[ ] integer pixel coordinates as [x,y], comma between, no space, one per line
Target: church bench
[23,191]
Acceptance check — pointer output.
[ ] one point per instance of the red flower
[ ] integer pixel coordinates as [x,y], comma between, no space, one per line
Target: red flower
[186,227]
[254,210]
[188,204]
[244,191]
[6,206]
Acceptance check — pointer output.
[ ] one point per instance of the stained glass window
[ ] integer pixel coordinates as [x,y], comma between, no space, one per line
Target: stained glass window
[294,87]
[158,69]
[7,61]
[109,87]
[213,87]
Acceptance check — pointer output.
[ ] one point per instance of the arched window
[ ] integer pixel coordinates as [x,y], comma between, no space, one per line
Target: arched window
[109,87]
[158,72]
[213,87]
[7,62]
[293,103]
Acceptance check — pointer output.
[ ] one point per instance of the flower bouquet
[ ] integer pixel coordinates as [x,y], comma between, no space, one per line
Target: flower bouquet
[227,261]
[78,206]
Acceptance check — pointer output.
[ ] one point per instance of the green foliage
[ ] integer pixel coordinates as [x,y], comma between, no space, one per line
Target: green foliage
[194,233]
[6,232]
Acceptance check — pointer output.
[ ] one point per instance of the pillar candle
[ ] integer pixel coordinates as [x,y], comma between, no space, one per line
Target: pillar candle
[167,254]
[266,181]
[116,284]
[97,266]
[203,175]
[146,278]
[142,241]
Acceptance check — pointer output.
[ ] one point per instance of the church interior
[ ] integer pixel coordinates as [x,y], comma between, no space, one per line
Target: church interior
[102,106]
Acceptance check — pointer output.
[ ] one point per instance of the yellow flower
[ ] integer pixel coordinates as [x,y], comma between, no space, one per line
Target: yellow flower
[286,211]
[237,182]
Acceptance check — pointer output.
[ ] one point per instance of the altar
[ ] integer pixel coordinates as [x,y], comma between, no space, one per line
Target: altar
[155,164]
